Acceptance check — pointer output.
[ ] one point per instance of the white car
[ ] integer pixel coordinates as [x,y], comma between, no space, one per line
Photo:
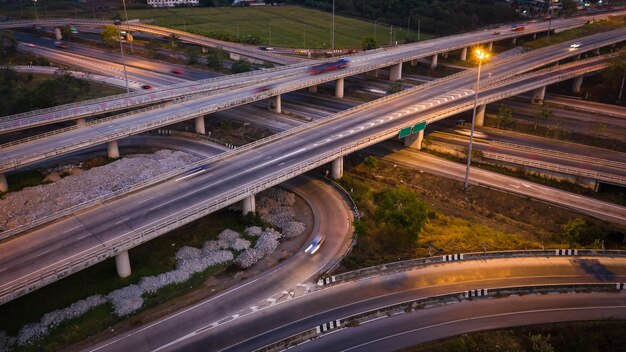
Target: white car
[575,45]
[315,245]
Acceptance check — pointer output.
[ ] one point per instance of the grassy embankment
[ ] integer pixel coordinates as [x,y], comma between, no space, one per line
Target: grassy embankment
[153,258]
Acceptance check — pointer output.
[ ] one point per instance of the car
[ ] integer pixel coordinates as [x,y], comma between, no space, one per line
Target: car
[496,33]
[329,66]
[262,89]
[146,86]
[315,244]
[575,45]
[177,71]
[61,45]
[30,44]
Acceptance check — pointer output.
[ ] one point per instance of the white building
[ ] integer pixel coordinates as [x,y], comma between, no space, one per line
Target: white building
[172,3]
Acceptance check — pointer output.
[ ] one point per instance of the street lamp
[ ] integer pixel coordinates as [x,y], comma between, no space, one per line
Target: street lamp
[119,37]
[480,55]
[36,15]
[128,28]
[332,36]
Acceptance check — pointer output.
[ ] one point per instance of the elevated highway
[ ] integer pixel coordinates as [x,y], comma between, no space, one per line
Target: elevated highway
[121,224]
[24,152]
[372,60]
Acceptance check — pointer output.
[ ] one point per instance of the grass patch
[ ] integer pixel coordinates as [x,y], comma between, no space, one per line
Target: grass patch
[588,29]
[291,26]
[22,179]
[563,337]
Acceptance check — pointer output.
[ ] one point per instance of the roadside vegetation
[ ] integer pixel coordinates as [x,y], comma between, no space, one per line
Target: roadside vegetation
[589,29]
[566,337]
[445,219]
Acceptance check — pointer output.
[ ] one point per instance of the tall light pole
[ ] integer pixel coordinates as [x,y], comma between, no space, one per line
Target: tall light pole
[480,55]
[549,27]
[119,37]
[36,15]
[128,28]
[332,35]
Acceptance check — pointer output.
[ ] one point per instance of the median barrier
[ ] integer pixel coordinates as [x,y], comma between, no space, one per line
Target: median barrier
[390,268]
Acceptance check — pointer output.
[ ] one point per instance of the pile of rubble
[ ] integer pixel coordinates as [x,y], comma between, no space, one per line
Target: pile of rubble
[29,204]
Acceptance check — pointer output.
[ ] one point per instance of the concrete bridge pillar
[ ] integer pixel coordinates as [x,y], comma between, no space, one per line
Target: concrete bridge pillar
[57,33]
[113,151]
[480,115]
[445,55]
[200,129]
[337,168]
[464,54]
[578,82]
[514,41]
[433,62]
[81,122]
[597,51]
[249,205]
[534,36]
[4,184]
[490,47]
[578,57]
[538,95]
[413,62]
[313,89]
[339,88]
[414,141]
[122,264]
[276,105]
[395,72]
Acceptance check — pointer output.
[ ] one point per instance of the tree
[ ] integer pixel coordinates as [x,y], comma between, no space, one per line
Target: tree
[504,116]
[214,60]
[109,35]
[541,343]
[241,65]
[192,55]
[573,230]
[370,161]
[8,46]
[153,46]
[544,114]
[66,32]
[368,43]
[395,87]
[569,7]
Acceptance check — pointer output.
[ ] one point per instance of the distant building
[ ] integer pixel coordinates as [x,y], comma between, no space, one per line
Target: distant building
[172,3]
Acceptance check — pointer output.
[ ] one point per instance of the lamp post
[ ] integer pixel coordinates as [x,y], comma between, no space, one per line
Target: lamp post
[119,37]
[128,28]
[332,35]
[549,27]
[36,15]
[481,55]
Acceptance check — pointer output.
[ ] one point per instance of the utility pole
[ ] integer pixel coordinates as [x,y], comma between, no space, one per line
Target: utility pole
[549,26]
[304,39]
[418,29]
[130,36]
[237,29]
[391,35]
[408,28]
[270,24]
[332,37]
[621,89]
[375,26]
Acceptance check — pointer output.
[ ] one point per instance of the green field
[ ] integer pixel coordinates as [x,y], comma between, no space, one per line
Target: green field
[291,26]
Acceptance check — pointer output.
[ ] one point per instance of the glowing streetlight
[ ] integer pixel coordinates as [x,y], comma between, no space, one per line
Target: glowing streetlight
[480,55]
[36,15]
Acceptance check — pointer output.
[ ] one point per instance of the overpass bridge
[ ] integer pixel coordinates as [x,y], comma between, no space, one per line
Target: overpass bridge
[393,58]
[27,151]
[90,236]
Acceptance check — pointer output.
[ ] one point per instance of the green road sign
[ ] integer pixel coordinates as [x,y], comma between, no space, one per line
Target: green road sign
[419,127]
[404,132]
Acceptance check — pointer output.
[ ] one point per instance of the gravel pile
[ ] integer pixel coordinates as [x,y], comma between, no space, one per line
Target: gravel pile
[18,208]
[275,206]
[268,242]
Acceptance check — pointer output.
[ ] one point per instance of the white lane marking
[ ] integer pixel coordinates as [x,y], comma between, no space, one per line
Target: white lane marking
[145,200]
[72,228]
[43,253]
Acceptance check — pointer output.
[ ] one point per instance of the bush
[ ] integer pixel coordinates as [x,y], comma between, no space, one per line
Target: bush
[240,66]
[371,161]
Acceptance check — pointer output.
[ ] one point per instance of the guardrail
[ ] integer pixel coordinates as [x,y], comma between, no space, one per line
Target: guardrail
[355,320]
[410,264]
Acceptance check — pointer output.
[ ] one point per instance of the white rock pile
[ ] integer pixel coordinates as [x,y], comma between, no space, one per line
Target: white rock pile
[18,208]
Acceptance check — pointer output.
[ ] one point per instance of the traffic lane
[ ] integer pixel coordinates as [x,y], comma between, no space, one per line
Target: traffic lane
[338,301]
[411,158]
[443,321]
[326,204]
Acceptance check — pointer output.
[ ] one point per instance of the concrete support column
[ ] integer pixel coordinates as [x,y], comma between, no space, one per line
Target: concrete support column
[81,122]
[339,88]
[57,33]
[480,115]
[395,72]
[4,184]
[249,205]
[538,95]
[490,47]
[534,36]
[433,62]
[113,151]
[313,89]
[445,55]
[276,106]
[337,168]
[414,141]
[578,56]
[597,51]
[413,62]
[514,41]
[464,54]
[578,82]
[122,264]
[200,129]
